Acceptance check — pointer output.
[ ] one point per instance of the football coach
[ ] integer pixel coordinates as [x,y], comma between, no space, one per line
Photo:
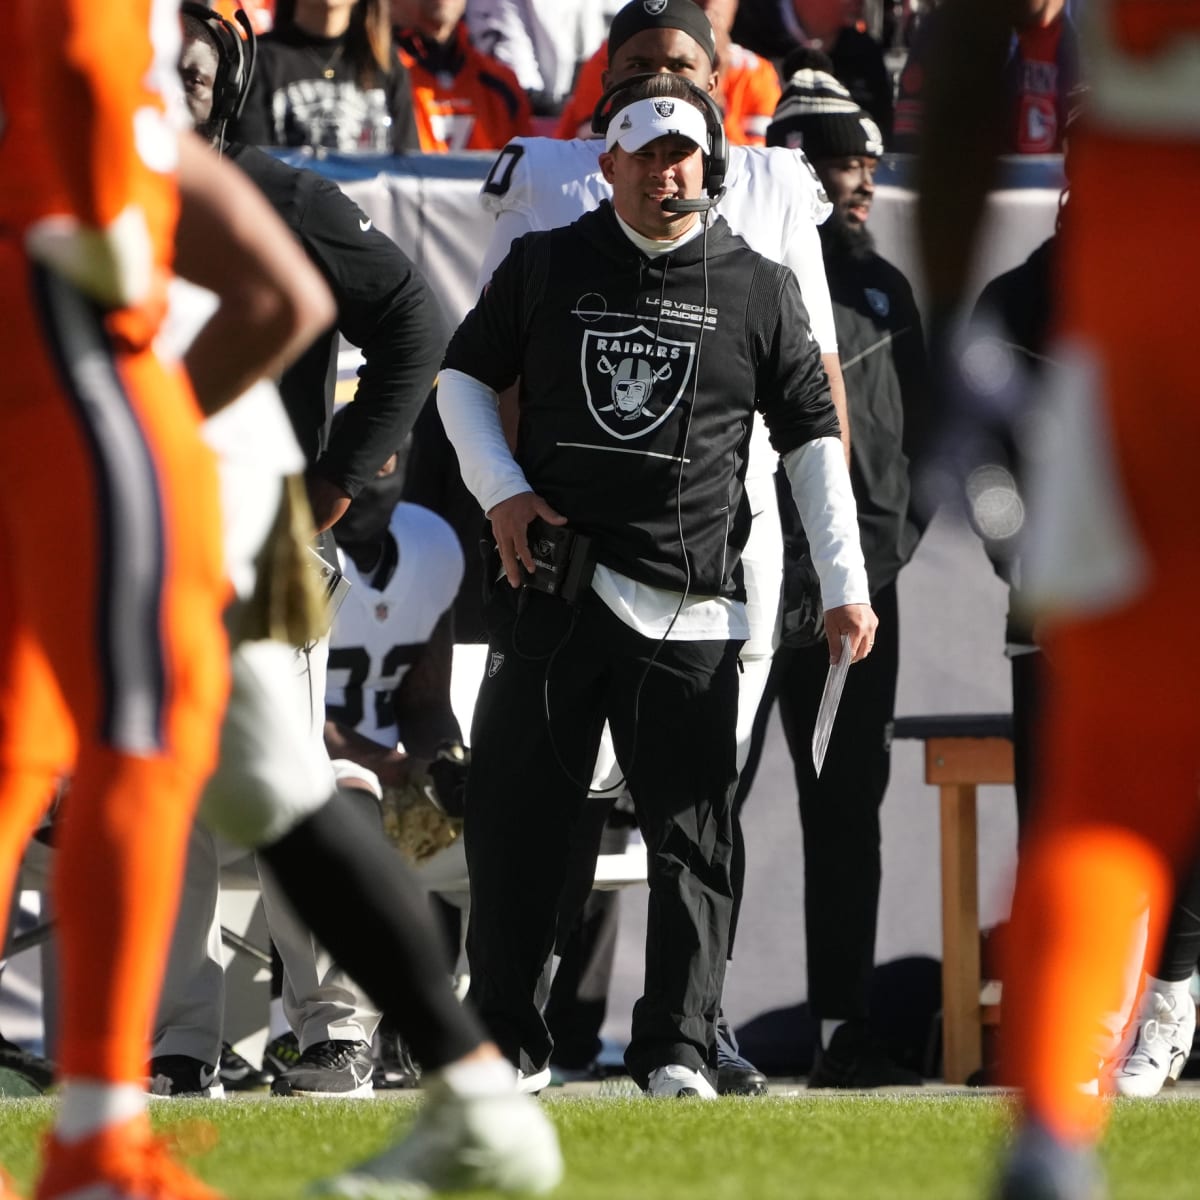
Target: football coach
[643,336]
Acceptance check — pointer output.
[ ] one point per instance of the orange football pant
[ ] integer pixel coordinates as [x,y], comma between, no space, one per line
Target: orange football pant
[113,660]
[1119,822]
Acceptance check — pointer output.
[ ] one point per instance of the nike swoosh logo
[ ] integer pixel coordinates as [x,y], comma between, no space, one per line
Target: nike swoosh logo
[366,1076]
[365,225]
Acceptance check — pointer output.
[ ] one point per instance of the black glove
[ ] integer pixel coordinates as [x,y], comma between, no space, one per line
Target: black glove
[446,779]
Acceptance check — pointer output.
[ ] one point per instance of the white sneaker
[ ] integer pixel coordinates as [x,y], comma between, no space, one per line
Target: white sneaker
[530,1085]
[674,1080]
[1156,1044]
[503,1142]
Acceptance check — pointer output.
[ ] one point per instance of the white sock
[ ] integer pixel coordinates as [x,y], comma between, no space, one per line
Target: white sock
[1181,989]
[277,1024]
[88,1105]
[477,1077]
[828,1029]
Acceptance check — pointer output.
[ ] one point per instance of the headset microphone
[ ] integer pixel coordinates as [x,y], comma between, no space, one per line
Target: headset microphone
[700,205]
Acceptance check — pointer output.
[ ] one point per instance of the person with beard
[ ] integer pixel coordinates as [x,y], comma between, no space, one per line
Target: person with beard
[883,357]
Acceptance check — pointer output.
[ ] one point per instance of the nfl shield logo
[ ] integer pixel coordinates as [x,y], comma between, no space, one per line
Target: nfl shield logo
[879,301]
[495,662]
[381,612]
[654,7]
[633,380]
[664,108]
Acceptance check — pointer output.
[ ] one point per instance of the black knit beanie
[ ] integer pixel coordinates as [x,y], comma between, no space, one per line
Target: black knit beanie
[817,114]
[662,14]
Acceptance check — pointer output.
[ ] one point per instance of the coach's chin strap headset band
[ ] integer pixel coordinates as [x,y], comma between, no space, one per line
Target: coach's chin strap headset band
[714,161]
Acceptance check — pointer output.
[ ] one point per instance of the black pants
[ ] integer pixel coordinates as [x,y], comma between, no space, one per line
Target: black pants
[839,812]
[673,729]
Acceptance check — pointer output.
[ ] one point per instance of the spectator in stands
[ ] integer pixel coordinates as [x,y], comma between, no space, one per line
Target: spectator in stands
[747,86]
[1042,71]
[464,99]
[775,28]
[543,41]
[327,78]
[882,346]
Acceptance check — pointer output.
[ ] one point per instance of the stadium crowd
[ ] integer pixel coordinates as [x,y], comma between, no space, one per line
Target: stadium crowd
[662,478]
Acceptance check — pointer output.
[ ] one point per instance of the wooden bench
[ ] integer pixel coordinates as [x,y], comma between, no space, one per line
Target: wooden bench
[961,753]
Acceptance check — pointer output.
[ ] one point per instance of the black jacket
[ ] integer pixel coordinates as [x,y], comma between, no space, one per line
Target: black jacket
[608,347]
[882,350]
[383,306]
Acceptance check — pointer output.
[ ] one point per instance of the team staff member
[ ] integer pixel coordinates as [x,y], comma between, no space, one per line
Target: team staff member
[639,445]
[464,99]
[120,676]
[774,201]
[880,336]
[1113,556]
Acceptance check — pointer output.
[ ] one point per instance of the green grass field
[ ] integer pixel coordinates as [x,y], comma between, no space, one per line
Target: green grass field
[934,1147]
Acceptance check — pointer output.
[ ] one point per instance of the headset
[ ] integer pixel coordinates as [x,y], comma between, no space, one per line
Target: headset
[714,161]
[237,52]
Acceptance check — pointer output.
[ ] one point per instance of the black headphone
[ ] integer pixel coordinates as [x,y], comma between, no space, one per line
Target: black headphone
[237,50]
[714,161]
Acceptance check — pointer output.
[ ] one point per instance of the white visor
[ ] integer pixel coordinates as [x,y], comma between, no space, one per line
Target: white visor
[639,123]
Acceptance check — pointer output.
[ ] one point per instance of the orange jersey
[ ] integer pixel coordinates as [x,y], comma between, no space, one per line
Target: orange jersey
[748,94]
[86,132]
[464,100]
[1140,56]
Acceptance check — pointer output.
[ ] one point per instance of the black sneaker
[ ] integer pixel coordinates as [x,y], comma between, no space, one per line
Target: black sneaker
[35,1070]
[395,1066]
[180,1075]
[736,1076]
[281,1054]
[239,1074]
[854,1059]
[337,1070]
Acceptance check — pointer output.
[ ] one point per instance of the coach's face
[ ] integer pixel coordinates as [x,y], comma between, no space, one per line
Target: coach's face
[670,167]
[661,52]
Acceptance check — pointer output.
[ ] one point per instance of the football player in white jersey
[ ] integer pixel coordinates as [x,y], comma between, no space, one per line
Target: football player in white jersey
[388,707]
[775,202]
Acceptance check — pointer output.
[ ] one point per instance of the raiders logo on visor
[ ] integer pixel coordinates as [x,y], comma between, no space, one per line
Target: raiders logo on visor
[664,108]
[654,7]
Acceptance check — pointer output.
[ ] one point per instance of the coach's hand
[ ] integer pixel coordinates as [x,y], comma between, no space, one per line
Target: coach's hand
[510,521]
[859,621]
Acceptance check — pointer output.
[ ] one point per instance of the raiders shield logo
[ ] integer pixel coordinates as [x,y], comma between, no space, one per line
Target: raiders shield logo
[495,662]
[654,7]
[664,108]
[880,302]
[633,380]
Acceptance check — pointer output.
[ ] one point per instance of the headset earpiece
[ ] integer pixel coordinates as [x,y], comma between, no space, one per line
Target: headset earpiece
[715,161]
[237,52]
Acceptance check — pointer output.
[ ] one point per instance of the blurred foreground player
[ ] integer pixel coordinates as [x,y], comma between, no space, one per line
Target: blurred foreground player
[272,791]
[1113,559]
[120,675]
